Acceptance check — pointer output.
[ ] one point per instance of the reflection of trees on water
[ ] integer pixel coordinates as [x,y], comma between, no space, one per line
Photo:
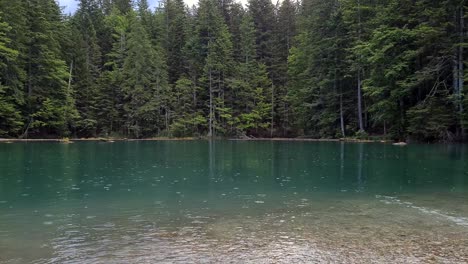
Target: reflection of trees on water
[342,161]
[211,168]
[457,155]
[211,159]
[360,180]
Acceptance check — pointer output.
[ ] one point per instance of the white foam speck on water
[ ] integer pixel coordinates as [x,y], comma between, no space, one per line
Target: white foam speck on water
[259,202]
[459,220]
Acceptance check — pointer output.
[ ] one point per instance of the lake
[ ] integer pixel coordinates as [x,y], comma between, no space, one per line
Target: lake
[233,202]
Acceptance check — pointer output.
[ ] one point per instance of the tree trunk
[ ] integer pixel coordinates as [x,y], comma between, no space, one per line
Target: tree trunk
[335,90]
[210,129]
[359,90]
[385,128]
[68,90]
[460,67]
[359,102]
[272,108]
[343,133]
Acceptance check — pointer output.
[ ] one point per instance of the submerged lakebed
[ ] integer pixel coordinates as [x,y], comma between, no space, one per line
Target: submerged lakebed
[233,202]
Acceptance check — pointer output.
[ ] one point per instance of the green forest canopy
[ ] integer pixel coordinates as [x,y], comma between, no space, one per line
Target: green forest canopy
[318,68]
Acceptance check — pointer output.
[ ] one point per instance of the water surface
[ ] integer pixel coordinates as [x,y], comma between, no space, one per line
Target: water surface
[233,202]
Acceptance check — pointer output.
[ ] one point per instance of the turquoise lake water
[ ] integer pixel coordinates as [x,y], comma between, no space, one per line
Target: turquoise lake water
[233,202]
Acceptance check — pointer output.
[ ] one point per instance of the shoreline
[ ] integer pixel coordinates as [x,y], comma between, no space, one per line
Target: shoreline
[110,140]
[69,140]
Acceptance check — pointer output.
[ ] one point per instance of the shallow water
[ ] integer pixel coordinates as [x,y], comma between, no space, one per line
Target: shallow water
[233,202]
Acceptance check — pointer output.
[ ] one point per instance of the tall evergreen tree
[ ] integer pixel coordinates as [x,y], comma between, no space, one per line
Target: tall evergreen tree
[317,70]
[47,74]
[10,119]
[216,49]
[263,14]
[176,23]
[145,85]
[85,65]
[251,86]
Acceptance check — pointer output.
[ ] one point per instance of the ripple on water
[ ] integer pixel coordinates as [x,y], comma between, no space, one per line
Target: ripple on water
[390,200]
[330,230]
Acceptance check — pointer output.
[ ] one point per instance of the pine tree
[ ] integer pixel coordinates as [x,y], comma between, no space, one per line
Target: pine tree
[216,48]
[124,6]
[46,86]
[111,116]
[10,116]
[317,70]
[176,23]
[85,66]
[263,14]
[250,86]
[285,34]
[236,14]
[187,119]
[145,85]
[12,75]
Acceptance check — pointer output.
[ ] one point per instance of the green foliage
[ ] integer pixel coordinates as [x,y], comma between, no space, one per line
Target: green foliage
[47,73]
[145,83]
[176,21]
[431,119]
[319,68]
[11,121]
[399,51]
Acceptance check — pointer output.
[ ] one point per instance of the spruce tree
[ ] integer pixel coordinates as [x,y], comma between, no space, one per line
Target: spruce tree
[46,72]
[10,116]
[145,85]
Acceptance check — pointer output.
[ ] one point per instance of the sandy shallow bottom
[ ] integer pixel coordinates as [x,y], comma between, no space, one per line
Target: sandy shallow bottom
[383,229]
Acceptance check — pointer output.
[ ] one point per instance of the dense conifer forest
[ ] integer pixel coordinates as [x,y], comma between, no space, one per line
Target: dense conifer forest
[316,68]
